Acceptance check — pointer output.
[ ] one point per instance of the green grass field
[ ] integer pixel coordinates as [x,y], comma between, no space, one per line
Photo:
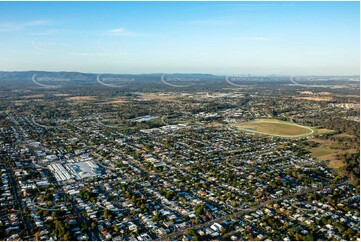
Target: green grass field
[275,127]
[319,151]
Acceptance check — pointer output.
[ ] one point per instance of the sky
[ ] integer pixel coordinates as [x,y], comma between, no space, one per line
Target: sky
[287,38]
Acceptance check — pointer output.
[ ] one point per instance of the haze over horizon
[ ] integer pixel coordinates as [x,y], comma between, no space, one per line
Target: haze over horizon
[299,38]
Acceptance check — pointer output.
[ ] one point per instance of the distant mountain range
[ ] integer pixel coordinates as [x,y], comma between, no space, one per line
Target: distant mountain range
[9,77]
[79,76]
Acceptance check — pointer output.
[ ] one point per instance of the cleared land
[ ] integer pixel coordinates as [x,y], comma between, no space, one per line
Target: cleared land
[81,98]
[61,95]
[116,101]
[214,124]
[318,99]
[306,92]
[34,96]
[158,96]
[328,150]
[275,128]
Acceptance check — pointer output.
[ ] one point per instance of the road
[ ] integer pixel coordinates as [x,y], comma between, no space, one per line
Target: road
[18,199]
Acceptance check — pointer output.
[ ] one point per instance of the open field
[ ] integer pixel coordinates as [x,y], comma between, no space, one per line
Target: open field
[116,101]
[306,92]
[61,95]
[324,131]
[343,135]
[328,151]
[159,96]
[34,96]
[80,98]
[275,127]
[20,102]
[325,93]
[214,124]
[318,99]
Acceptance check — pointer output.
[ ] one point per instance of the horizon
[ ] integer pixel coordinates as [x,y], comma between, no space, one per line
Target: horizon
[181,73]
[282,38]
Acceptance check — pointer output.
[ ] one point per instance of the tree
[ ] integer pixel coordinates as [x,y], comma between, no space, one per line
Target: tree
[37,236]
[115,227]
[285,225]
[298,236]
[155,218]
[191,232]
[308,237]
[199,210]
[107,214]
[66,237]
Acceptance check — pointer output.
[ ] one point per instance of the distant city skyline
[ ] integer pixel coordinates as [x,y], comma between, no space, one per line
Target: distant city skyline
[286,38]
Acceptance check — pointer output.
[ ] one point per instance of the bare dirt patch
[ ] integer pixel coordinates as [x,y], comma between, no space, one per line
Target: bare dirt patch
[325,93]
[339,86]
[306,92]
[327,151]
[317,99]
[324,131]
[61,95]
[81,98]
[20,102]
[214,124]
[343,135]
[116,101]
[336,163]
[34,96]
[159,96]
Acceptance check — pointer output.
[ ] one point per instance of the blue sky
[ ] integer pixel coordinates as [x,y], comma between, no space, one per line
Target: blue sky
[299,38]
